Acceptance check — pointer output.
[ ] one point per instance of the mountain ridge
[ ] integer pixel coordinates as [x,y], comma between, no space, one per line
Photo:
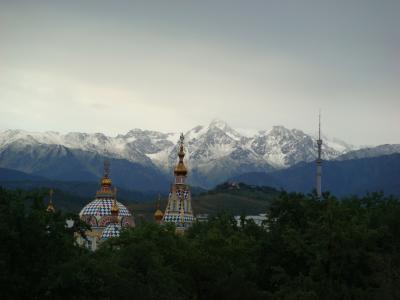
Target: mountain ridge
[340,177]
[214,152]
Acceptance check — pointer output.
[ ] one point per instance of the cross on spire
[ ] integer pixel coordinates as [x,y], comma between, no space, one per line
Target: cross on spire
[106,168]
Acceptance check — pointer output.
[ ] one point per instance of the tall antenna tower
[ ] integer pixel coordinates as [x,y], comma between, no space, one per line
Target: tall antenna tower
[319,160]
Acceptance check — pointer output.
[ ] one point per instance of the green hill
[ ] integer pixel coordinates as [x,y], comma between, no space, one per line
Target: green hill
[235,198]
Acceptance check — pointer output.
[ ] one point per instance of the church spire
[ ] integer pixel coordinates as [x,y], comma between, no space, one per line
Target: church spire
[179,207]
[180,169]
[106,181]
[319,160]
[50,206]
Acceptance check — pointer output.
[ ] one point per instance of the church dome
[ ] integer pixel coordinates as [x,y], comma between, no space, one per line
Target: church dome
[112,230]
[99,213]
[105,209]
[106,181]
[102,207]
[158,215]
[105,215]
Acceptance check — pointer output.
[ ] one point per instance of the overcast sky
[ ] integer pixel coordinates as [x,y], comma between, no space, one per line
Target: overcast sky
[111,66]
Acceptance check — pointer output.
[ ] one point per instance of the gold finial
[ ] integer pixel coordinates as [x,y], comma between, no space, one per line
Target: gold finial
[106,181]
[158,215]
[180,169]
[181,153]
[114,208]
[50,206]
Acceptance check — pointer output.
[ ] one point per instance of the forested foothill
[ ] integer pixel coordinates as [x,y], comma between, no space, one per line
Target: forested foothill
[307,249]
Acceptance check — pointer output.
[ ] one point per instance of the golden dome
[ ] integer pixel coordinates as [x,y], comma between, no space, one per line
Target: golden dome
[180,169]
[106,181]
[158,215]
[50,208]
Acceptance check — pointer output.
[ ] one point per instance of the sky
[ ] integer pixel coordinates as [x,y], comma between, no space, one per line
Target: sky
[111,66]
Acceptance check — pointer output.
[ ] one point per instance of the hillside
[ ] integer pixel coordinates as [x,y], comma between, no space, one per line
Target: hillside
[14,179]
[356,176]
[236,199]
[8,175]
[60,163]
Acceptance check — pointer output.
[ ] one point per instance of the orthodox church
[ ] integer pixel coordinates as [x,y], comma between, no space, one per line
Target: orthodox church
[104,214]
[107,216]
[179,207]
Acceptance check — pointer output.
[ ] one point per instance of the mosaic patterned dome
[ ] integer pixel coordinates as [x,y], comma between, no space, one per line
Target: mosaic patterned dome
[98,213]
[105,209]
[102,207]
[112,230]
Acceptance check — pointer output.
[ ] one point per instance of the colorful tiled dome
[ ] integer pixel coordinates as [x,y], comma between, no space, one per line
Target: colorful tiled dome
[102,207]
[105,215]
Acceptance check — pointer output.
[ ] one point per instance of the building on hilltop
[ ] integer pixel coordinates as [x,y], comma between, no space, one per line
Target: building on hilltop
[104,214]
[179,206]
[202,218]
[257,219]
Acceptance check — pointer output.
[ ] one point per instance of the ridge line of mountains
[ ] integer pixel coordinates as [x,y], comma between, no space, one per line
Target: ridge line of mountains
[142,160]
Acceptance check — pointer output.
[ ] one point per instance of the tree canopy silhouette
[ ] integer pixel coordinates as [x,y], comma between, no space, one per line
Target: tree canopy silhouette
[307,249]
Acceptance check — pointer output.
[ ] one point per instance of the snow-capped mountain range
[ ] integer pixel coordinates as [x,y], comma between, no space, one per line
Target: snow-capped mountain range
[214,152]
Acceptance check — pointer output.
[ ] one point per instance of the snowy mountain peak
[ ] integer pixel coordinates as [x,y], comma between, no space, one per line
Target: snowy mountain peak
[279,128]
[219,127]
[220,124]
[214,152]
[282,131]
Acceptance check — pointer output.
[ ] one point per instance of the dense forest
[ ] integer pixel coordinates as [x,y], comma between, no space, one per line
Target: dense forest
[307,249]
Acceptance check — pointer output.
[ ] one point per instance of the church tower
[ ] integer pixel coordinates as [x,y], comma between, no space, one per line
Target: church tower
[179,207]
[319,160]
